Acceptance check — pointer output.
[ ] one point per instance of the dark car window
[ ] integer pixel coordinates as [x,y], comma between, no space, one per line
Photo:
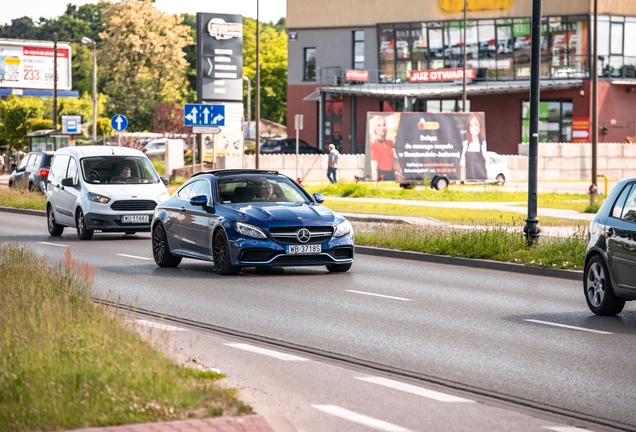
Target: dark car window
[24,161]
[253,188]
[35,159]
[629,211]
[620,202]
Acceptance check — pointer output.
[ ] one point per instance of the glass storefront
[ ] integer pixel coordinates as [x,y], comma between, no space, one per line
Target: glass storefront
[555,121]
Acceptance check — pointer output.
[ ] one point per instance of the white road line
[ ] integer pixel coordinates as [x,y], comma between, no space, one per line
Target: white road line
[53,244]
[379,295]
[267,352]
[565,429]
[159,326]
[567,326]
[360,419]
[133,256]
[431,394]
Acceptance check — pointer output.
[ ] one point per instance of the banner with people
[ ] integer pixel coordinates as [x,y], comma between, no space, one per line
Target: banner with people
[411,146]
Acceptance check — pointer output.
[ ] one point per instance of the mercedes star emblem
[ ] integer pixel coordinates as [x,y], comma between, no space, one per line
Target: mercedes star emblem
[303,235]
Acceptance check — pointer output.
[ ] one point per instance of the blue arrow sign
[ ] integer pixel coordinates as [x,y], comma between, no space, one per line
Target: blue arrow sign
[119,122]
[203,115]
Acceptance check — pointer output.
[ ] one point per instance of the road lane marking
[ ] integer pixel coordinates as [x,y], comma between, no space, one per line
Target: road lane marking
[567,326]
[379,295]
[53,244]
[565,429]
[133,256]
[360,419]
[431,394]
[159,326]
[267,352]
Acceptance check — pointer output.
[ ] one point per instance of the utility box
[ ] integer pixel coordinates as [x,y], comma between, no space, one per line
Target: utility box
[174,155]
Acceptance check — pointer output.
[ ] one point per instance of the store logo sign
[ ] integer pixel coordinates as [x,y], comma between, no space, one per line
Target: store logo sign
[221,30]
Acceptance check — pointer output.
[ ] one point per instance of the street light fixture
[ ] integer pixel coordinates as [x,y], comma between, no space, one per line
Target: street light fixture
[86,40]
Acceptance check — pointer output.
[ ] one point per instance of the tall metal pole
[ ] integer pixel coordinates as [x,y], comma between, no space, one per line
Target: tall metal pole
[55,81]
[249,115]
[257,126]
[532,228]
[595,101]
[464,74]
[94,91]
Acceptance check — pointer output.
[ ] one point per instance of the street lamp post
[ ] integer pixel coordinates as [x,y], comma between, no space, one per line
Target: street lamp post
[257,128]
[86,40]
[249,115]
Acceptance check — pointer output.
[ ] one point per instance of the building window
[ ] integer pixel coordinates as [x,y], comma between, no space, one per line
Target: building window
[310,64]
[555,121]
[358,49]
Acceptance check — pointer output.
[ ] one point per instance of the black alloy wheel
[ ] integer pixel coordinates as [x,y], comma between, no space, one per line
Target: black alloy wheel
[221,255]
[55,229]
[338,268]
[83,233]
[598,290]
[501,179]
[161,250]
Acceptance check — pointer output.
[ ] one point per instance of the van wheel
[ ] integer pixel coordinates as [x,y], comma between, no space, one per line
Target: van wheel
[55,229]
[83,233]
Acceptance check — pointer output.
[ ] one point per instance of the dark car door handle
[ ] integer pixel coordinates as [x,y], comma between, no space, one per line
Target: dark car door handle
[182,209]
[610,232]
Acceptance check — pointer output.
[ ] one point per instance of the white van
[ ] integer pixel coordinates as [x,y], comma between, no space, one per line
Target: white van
[102,189]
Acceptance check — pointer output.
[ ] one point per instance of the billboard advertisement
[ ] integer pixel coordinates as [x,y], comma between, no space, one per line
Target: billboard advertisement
[229,141]
[410,146]
[219,57]
[29,65]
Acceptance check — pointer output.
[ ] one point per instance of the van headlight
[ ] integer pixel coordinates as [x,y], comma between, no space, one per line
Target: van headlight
[249,230]
[98,198]
[343,228]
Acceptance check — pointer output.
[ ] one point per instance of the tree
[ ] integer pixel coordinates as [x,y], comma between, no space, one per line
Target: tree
[14,113]
[142,51]
[167,118]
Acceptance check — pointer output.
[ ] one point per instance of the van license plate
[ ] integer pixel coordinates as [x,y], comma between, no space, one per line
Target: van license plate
[303,249]
[135,219]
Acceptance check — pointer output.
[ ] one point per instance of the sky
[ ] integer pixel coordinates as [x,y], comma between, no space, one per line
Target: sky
[269,10]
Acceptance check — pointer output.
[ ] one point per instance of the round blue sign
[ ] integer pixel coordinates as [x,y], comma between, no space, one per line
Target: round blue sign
[119,122]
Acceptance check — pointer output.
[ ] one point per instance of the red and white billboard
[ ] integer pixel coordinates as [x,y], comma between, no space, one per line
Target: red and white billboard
[581,129]
[435,75]
[29,65]
[357,75]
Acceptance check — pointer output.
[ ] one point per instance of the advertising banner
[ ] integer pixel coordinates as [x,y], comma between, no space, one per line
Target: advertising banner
[410,146]
[29,65]
[357,75]
[581,129]
[219,57]
[229,141]
[435,75]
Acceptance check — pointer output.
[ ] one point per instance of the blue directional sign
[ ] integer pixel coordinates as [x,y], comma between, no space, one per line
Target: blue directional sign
[119,122]
[203,115]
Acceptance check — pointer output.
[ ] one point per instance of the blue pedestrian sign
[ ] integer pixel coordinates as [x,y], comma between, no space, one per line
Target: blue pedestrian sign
[203,115]
[119,122]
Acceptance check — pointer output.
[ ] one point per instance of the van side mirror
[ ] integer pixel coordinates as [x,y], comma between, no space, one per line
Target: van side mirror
[165,180]
[68,182]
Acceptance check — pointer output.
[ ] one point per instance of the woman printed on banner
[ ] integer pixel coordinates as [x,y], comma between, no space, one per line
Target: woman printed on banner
[384,160]
[472,162]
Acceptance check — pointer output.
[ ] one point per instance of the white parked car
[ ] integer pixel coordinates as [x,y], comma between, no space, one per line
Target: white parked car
[102,189]
[156,147]
[496,168]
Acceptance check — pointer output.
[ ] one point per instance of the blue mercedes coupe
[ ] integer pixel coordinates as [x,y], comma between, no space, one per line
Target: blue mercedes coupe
[249,218]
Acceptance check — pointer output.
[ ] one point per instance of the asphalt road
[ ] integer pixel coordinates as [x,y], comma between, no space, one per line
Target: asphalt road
[501,332]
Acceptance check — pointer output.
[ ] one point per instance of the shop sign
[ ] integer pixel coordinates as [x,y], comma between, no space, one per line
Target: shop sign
[357,75]
[441,75]
[581,129]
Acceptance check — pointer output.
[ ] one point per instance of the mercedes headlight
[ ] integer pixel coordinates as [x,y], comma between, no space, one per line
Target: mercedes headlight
[249,230]
[98,198]
[343,228]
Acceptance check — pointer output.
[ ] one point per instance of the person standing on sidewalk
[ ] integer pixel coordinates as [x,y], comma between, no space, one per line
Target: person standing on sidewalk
[332,163]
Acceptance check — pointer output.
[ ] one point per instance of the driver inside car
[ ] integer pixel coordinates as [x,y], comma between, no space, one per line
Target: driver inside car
[267,191]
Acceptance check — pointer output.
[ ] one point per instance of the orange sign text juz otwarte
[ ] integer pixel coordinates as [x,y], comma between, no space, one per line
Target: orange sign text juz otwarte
[441,75]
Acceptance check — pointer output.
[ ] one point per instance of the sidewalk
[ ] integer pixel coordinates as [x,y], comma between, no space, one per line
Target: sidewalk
[220,424]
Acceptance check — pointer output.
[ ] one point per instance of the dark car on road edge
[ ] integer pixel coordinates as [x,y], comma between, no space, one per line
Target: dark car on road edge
[32,171]
[610,260]
[287,146]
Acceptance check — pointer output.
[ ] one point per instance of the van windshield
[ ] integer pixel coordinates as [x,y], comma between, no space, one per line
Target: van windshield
[118,170]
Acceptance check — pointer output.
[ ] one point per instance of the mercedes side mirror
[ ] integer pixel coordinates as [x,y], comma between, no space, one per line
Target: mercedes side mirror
[199,201]
[319,198]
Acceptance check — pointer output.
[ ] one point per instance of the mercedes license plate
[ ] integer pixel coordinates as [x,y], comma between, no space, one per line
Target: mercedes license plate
[303,249]
[135,219]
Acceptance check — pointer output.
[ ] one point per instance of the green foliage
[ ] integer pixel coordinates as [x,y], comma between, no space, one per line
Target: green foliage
[103,126]
[23,199]
[66,364]
[34,124]
[14,112]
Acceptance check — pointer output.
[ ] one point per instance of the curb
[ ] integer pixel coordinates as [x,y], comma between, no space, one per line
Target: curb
[420,256]
[576,275]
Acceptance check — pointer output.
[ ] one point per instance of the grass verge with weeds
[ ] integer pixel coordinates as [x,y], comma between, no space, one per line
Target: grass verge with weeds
[22,198]
[66,363]
[493,242]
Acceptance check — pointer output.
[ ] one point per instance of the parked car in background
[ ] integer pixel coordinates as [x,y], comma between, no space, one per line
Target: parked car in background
[609,278]
[102,189]
[249,218]
[287,146]
[156,147]
[496,168]
[32,171]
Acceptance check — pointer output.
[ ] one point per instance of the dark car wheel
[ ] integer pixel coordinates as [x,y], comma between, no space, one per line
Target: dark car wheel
[338,268]
[32,187]
[161,250]
[83,233]
[55,229]
[221,255]
[501,179]
[597,285]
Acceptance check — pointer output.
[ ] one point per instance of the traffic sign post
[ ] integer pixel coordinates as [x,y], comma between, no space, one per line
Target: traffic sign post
[119,123]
